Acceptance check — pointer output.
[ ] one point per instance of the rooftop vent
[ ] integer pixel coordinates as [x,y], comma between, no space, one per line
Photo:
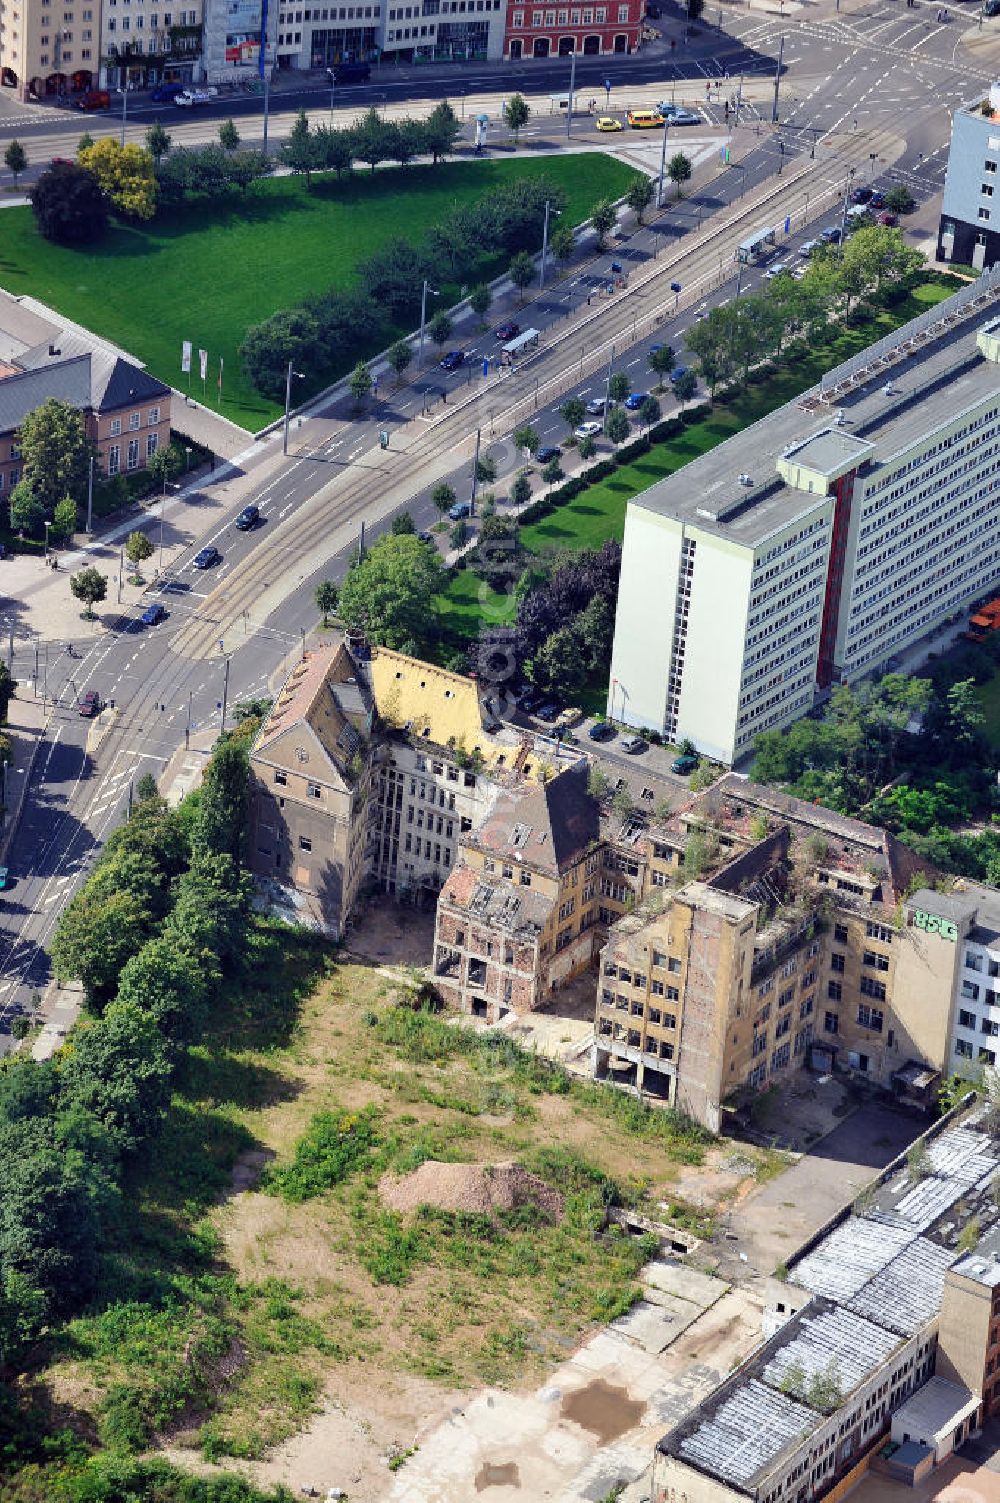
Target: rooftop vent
[745,479]
[888,389]
[840,417]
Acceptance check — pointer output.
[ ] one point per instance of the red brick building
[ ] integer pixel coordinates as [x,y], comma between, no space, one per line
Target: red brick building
[589,30]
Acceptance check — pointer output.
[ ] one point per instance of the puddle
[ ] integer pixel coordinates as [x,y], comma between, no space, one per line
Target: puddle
[491,1474]
[605,1411]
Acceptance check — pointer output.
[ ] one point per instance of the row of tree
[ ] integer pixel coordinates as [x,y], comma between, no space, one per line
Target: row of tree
[371,139]
[149,936]
[325,332]
[739,335]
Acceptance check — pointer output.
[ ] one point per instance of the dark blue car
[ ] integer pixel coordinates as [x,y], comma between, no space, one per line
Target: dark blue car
[152,615]
[634,400]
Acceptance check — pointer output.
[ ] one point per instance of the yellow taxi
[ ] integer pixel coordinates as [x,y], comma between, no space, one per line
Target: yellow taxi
[644,119]
[608,122]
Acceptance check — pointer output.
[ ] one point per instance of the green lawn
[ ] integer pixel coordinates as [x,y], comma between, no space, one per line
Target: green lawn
[598,514]
[989,698]
[209,271]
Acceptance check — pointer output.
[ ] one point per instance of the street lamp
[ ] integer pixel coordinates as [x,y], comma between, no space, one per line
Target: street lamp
[47,526]
[423,317]
[545,244]
[333,85]
[299,376]
[124,93]
[843,217]
[163,505]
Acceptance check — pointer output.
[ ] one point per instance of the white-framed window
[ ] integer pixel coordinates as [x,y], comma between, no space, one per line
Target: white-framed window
[135,420]
[623,12]
[152,442]
[114,459]
[133,453]
[984,213]
[116,427]
[154,416]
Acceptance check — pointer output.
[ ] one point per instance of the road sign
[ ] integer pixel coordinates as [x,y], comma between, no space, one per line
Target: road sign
[788,224]
[675,287]
[486,365]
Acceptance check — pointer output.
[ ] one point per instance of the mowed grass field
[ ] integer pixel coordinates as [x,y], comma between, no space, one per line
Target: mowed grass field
[207,272]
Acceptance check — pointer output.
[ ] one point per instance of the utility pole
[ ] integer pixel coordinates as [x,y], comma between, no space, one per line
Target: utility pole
[288,402]
[777,80]
[124,108]
[267,93]
[302,634]
[739,100]
[187,728]
[572,88]
[361,543]
[10,646]
[663,168]
[607,387]
[90,497]
[843,216]
[423,318]
[545,245]
[225,694]
[475,480]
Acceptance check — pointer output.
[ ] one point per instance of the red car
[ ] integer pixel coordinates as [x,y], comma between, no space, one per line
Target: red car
[509,331]
[94,99]
[887,217]
[90,704]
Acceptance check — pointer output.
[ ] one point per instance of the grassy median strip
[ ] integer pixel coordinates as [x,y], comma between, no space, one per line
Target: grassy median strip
[206,272]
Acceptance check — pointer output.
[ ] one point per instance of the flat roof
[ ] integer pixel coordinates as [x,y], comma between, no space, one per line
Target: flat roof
[829,450]
[735,492]
[938,1405]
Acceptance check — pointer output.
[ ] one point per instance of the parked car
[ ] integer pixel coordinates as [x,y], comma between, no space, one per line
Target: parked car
[685,117]
[453,360]
[832,234]
[666,109]
[587,430]
[602,730]
[188,98]
[459,510]
[808,246]
[549,713]
[887,217]
[153,615]
[89,704]
[166,93]
[425,537]
[634,400]
[596,406]
[861,195]
[877,200]
[248,518]
[608,122]
[677,372]
[206,558]
[508,330]
[94,99]
[777,270]
[684,764]
[547,452]
[633,745]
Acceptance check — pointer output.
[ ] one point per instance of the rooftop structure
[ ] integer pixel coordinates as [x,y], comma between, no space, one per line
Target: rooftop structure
[969,228]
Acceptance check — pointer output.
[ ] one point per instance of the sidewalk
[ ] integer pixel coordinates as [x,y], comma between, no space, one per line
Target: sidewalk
[26,722]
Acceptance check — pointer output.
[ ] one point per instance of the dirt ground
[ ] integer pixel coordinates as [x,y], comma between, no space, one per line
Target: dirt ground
[955,1481]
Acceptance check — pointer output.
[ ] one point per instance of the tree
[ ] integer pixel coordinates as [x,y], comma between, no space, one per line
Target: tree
[521,271]
[443,497]
[85,140]
[26,511]
[96,933]
[679,170]
[55,453]
[373,138]
[119,1071]
[552,471]
[649,411]
[459,534]
[563,241]
[486,469]
[138,548]
[326,596]
[16,159]
[64,519]
[388,594]
[220,827]
[561,662]
[126,176]
[158,142]
[8,688]
[518,114]
[619,386]
[290,335]
[603,220]
[573,412]
[480,299]
[520,491]
[685,386]
[527,438]
[299,151]
[617,426]
[441,130]
[587,447]
[400,356]
[229,136]
[408,140]
[163,465]
[899,200]
[402,523]
[360,383]
[90,587]
[334,149]
[661,360]
[640,196]
[68,205]
[439,328]
[167,984]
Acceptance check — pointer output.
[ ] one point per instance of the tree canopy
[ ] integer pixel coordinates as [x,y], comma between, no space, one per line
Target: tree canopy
[388,595]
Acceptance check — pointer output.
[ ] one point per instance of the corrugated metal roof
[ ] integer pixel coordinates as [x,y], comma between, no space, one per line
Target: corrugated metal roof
[845,1260]
[834,1344]
[907,1292]
[749,1428]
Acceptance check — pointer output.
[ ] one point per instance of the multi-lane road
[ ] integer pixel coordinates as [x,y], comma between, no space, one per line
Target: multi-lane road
[871,91]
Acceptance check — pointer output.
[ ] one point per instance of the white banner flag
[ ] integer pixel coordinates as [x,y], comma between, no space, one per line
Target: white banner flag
[186,357]
[203,364]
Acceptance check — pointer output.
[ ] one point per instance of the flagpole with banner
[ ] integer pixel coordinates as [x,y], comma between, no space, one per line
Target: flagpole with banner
[186,360]
[203,370]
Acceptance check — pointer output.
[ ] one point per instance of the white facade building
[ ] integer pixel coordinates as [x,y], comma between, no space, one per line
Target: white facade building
[819,543]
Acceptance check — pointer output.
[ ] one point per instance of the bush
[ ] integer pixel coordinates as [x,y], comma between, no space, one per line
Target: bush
[334,1146]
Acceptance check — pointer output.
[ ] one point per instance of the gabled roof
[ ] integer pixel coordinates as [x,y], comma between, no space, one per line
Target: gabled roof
[546,827]
[20,394]
[126,385]
[114,382]
[319,719]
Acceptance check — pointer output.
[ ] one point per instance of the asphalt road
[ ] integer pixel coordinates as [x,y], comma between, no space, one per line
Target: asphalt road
[873,68]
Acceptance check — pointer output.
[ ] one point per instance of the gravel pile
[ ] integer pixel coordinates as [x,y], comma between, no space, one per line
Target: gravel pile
[486,1188]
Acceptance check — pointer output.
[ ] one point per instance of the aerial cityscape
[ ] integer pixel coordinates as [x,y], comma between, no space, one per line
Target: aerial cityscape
[500,752]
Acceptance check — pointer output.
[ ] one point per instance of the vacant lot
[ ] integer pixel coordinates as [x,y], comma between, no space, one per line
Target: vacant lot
[233,1302]
[207,272]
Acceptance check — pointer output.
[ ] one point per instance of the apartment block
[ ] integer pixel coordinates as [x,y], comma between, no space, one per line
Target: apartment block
[48,50]
[969,228]
[143,43]
[558,31]
[818,544]
[883,1343]
[798,948]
